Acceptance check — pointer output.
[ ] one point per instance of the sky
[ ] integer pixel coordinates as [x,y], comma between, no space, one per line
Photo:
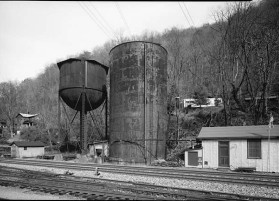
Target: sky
[35,34]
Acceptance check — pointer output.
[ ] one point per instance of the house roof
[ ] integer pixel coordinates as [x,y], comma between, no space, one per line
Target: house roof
[27,144]
[26,115]
[238,132]
[98,142]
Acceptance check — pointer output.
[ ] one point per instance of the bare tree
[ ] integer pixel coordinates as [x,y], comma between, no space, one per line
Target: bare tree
[9,103]
[246,59]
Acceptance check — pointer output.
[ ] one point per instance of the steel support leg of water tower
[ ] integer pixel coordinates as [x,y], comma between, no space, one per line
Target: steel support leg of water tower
[83,123]
[106,118]
[59,120]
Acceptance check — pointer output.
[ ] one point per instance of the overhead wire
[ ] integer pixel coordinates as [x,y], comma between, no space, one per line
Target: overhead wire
[101,24]
[89,13]
[198,41]
[105,22]
[123,18]
[188,13]
[184,13]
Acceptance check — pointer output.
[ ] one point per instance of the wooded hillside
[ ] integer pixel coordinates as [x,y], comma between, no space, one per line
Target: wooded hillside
[234,58]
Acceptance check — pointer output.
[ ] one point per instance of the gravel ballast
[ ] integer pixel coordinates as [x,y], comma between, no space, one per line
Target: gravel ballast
[249,190]
[15,193]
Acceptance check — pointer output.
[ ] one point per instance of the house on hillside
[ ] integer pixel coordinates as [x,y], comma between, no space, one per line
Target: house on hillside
[3,123]
[238,146]
[212,102]
[25,121]
[21,149]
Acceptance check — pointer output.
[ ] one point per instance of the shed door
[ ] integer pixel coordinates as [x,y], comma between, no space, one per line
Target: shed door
[224,154]
[193,158]
[13,151]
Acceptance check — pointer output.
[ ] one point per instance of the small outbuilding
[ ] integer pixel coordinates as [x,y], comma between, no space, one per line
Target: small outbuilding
[240,147]
[99,149]
[21,149]
[193,157]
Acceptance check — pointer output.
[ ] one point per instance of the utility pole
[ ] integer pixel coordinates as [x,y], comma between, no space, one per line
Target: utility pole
[270,125]
[177,119]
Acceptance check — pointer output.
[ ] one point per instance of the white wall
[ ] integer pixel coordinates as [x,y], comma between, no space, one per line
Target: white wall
[238,155]
[31,151]
[190,101]
[210,153]
[92,148]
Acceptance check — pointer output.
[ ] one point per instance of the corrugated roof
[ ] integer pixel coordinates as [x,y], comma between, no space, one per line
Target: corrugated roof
[26,115]
[27,144]
[238,132]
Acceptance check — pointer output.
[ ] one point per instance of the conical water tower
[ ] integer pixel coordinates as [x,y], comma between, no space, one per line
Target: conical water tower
[82,87]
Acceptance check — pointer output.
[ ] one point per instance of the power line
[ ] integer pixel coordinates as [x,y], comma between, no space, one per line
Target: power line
[188,14]
[105,22]
[184,14]
[92,18]
[122,16]
[105,28]
[198,41]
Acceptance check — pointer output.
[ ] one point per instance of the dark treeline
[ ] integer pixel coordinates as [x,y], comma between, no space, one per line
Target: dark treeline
[234,58]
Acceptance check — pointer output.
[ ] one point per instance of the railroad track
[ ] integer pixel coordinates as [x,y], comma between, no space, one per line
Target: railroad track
[51,183]
[173,173]
[95,188]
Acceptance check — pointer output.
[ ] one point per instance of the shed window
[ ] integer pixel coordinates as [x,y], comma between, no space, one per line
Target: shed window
[254,148]
[25,148]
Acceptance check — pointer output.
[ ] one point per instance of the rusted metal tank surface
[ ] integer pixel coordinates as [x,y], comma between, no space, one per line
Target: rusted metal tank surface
[138,102]
[77,75]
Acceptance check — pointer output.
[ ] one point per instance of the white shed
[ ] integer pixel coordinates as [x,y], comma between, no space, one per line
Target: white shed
[21,149]
[97,148]
[241,146]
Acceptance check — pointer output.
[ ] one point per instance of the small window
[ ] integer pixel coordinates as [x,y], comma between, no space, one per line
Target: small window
[254,148]
[25,148]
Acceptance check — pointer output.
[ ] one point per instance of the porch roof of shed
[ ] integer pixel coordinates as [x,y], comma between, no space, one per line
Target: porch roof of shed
[239,132]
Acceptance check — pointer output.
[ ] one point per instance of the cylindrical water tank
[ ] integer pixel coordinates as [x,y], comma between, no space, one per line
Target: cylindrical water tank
[78,75]
[138,102]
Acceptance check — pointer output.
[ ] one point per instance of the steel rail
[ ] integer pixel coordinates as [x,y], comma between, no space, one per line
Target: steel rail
[79,192]
[65,185]
[161,174]
[71,188]
[142,171]
[86,187]
[164,169]
[147,187]
[179,192]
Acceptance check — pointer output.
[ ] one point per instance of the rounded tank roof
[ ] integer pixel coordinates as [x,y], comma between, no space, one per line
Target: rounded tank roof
[77,77]
[138,41]
[59,64]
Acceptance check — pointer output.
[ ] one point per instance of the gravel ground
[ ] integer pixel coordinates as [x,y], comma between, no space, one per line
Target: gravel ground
[201,185]
[14,193]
